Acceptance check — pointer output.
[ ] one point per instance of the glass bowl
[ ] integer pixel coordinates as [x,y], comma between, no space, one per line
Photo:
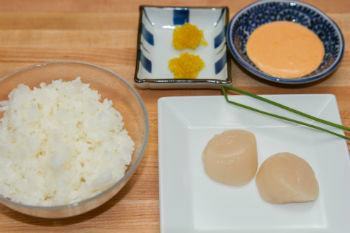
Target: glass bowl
[111,86]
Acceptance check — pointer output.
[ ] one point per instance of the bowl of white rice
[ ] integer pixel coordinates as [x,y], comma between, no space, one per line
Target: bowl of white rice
[71,136]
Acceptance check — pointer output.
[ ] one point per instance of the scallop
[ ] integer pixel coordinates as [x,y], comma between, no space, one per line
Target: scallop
[231,157]
[286,178]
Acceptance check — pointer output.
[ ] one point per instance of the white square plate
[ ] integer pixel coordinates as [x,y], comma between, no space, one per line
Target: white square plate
[190,202]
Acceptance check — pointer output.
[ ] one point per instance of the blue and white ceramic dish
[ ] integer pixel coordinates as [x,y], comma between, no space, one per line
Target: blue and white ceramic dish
[155,47]
[261,12]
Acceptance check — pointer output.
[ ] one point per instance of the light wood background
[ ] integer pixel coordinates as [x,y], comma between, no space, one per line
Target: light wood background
[104,32]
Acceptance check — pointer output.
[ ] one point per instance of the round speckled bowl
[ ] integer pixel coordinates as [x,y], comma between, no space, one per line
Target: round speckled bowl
[261,12]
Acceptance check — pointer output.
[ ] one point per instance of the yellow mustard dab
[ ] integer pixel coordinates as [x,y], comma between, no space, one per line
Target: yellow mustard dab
[186,66]
[188,36]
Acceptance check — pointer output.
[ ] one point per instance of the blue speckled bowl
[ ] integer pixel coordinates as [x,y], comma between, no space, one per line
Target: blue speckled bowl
[261,12]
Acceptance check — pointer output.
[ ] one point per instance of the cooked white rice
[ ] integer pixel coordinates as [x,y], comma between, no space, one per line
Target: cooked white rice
[60,143]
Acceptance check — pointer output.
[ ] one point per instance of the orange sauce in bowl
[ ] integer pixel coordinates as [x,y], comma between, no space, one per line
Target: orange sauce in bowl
[285,49]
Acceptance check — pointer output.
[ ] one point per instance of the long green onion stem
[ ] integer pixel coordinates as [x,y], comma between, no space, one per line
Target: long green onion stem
[237,90]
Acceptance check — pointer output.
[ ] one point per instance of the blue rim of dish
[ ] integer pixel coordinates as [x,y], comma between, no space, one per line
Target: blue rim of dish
[137,80]
[260,74]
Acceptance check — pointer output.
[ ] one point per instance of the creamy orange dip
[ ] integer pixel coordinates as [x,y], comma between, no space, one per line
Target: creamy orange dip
[285,49]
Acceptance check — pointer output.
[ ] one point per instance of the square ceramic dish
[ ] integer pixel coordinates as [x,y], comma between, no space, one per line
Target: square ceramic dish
[155,49]
[191,202]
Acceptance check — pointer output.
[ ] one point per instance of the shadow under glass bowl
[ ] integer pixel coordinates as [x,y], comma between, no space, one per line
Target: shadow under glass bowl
[261,12]
[125,99]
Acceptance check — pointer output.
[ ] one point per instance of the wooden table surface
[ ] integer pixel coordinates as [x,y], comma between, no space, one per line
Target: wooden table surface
[104,32]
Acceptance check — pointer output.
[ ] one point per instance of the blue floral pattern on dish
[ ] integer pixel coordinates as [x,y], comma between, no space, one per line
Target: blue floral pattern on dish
[147,35]
[181,16]
[251,17]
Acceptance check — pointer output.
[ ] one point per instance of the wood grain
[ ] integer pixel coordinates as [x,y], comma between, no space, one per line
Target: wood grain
[104,32]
